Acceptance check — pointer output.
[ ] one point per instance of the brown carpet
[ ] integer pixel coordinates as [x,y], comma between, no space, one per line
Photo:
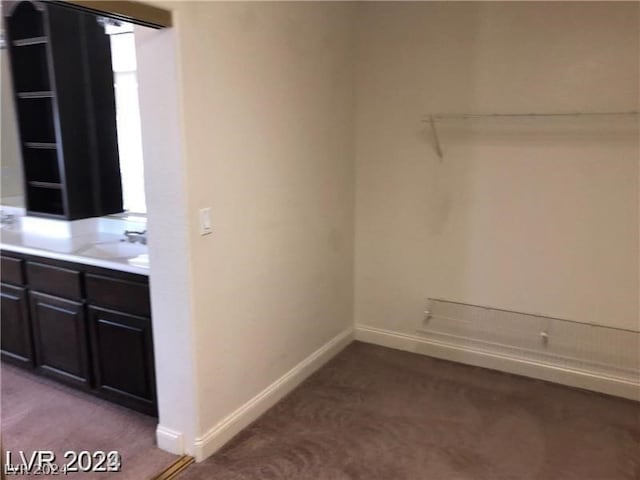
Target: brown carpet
[375,413]
[39,414]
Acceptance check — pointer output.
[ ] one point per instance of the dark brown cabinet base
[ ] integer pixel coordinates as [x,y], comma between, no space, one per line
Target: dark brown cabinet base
[126,377]
[60,338]
[16,329]
[86,326]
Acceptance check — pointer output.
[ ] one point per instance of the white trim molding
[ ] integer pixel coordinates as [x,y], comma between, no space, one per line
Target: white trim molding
[511,363]
[169,440]
[231,425]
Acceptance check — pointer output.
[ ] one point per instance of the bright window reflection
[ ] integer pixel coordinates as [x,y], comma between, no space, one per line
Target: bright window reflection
[123,53]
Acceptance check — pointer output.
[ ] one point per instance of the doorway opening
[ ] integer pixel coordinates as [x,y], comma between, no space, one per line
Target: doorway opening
[88,397]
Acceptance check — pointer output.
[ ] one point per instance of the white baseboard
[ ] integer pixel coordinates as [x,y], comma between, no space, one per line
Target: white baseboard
[499,361]
[169,440]
[226,429]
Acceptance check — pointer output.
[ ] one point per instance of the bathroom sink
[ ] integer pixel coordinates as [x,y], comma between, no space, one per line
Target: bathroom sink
[116,249]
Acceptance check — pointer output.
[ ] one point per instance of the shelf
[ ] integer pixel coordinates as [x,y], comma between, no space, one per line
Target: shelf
[51,185]
[40,126]
[41,145]
[42,166]
[467,116]
[26,42]
[41,94]
[65,104]
[433,118]
[30,66]
[45,200]
[593,348]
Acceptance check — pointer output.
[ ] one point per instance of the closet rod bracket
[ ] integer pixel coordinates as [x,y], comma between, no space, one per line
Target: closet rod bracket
[434,134]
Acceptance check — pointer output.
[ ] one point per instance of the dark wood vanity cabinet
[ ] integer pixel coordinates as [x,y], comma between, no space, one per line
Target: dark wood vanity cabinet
[85,326]
[120,336]
[60,338]
[16,328]
[65,104]
[122,350]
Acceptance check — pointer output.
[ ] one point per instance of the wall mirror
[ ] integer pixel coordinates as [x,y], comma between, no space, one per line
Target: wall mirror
[35,88]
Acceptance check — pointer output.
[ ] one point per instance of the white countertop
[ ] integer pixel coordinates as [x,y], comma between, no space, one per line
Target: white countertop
[92,241]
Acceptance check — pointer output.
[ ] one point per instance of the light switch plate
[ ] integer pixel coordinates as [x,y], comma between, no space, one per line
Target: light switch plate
[205,221]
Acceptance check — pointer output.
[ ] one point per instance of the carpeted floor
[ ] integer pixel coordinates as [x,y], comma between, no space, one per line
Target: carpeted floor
[39,414]
[377,414]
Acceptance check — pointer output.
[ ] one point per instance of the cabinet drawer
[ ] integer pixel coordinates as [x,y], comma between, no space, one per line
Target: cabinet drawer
[55,280]
[11,269]
[123,295]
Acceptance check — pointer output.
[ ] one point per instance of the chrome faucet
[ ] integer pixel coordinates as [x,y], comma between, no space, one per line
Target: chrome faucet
[134,236]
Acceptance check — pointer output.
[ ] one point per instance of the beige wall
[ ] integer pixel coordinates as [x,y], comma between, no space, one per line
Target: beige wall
[267,94]
[536,216]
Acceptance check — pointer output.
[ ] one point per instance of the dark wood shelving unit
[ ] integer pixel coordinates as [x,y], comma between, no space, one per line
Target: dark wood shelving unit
[65,104]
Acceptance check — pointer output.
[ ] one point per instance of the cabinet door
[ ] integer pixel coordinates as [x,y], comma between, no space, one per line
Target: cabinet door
[122,350]
[16,329]
[60,338]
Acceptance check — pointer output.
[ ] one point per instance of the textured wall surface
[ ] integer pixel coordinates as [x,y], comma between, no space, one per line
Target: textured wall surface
[539,216]
[268,117]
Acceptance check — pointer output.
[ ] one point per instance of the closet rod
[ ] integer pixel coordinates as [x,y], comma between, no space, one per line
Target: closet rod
[434,117]
[451,116]
[537,315]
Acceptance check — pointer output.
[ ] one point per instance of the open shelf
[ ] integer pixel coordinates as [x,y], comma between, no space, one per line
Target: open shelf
[30,69]
[38,125]
[562,343]
[42,166]
[433,119]
[45,200]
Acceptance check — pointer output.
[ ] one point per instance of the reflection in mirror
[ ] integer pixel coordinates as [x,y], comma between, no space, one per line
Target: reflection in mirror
[123,59]
[127,115]
[10,157]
